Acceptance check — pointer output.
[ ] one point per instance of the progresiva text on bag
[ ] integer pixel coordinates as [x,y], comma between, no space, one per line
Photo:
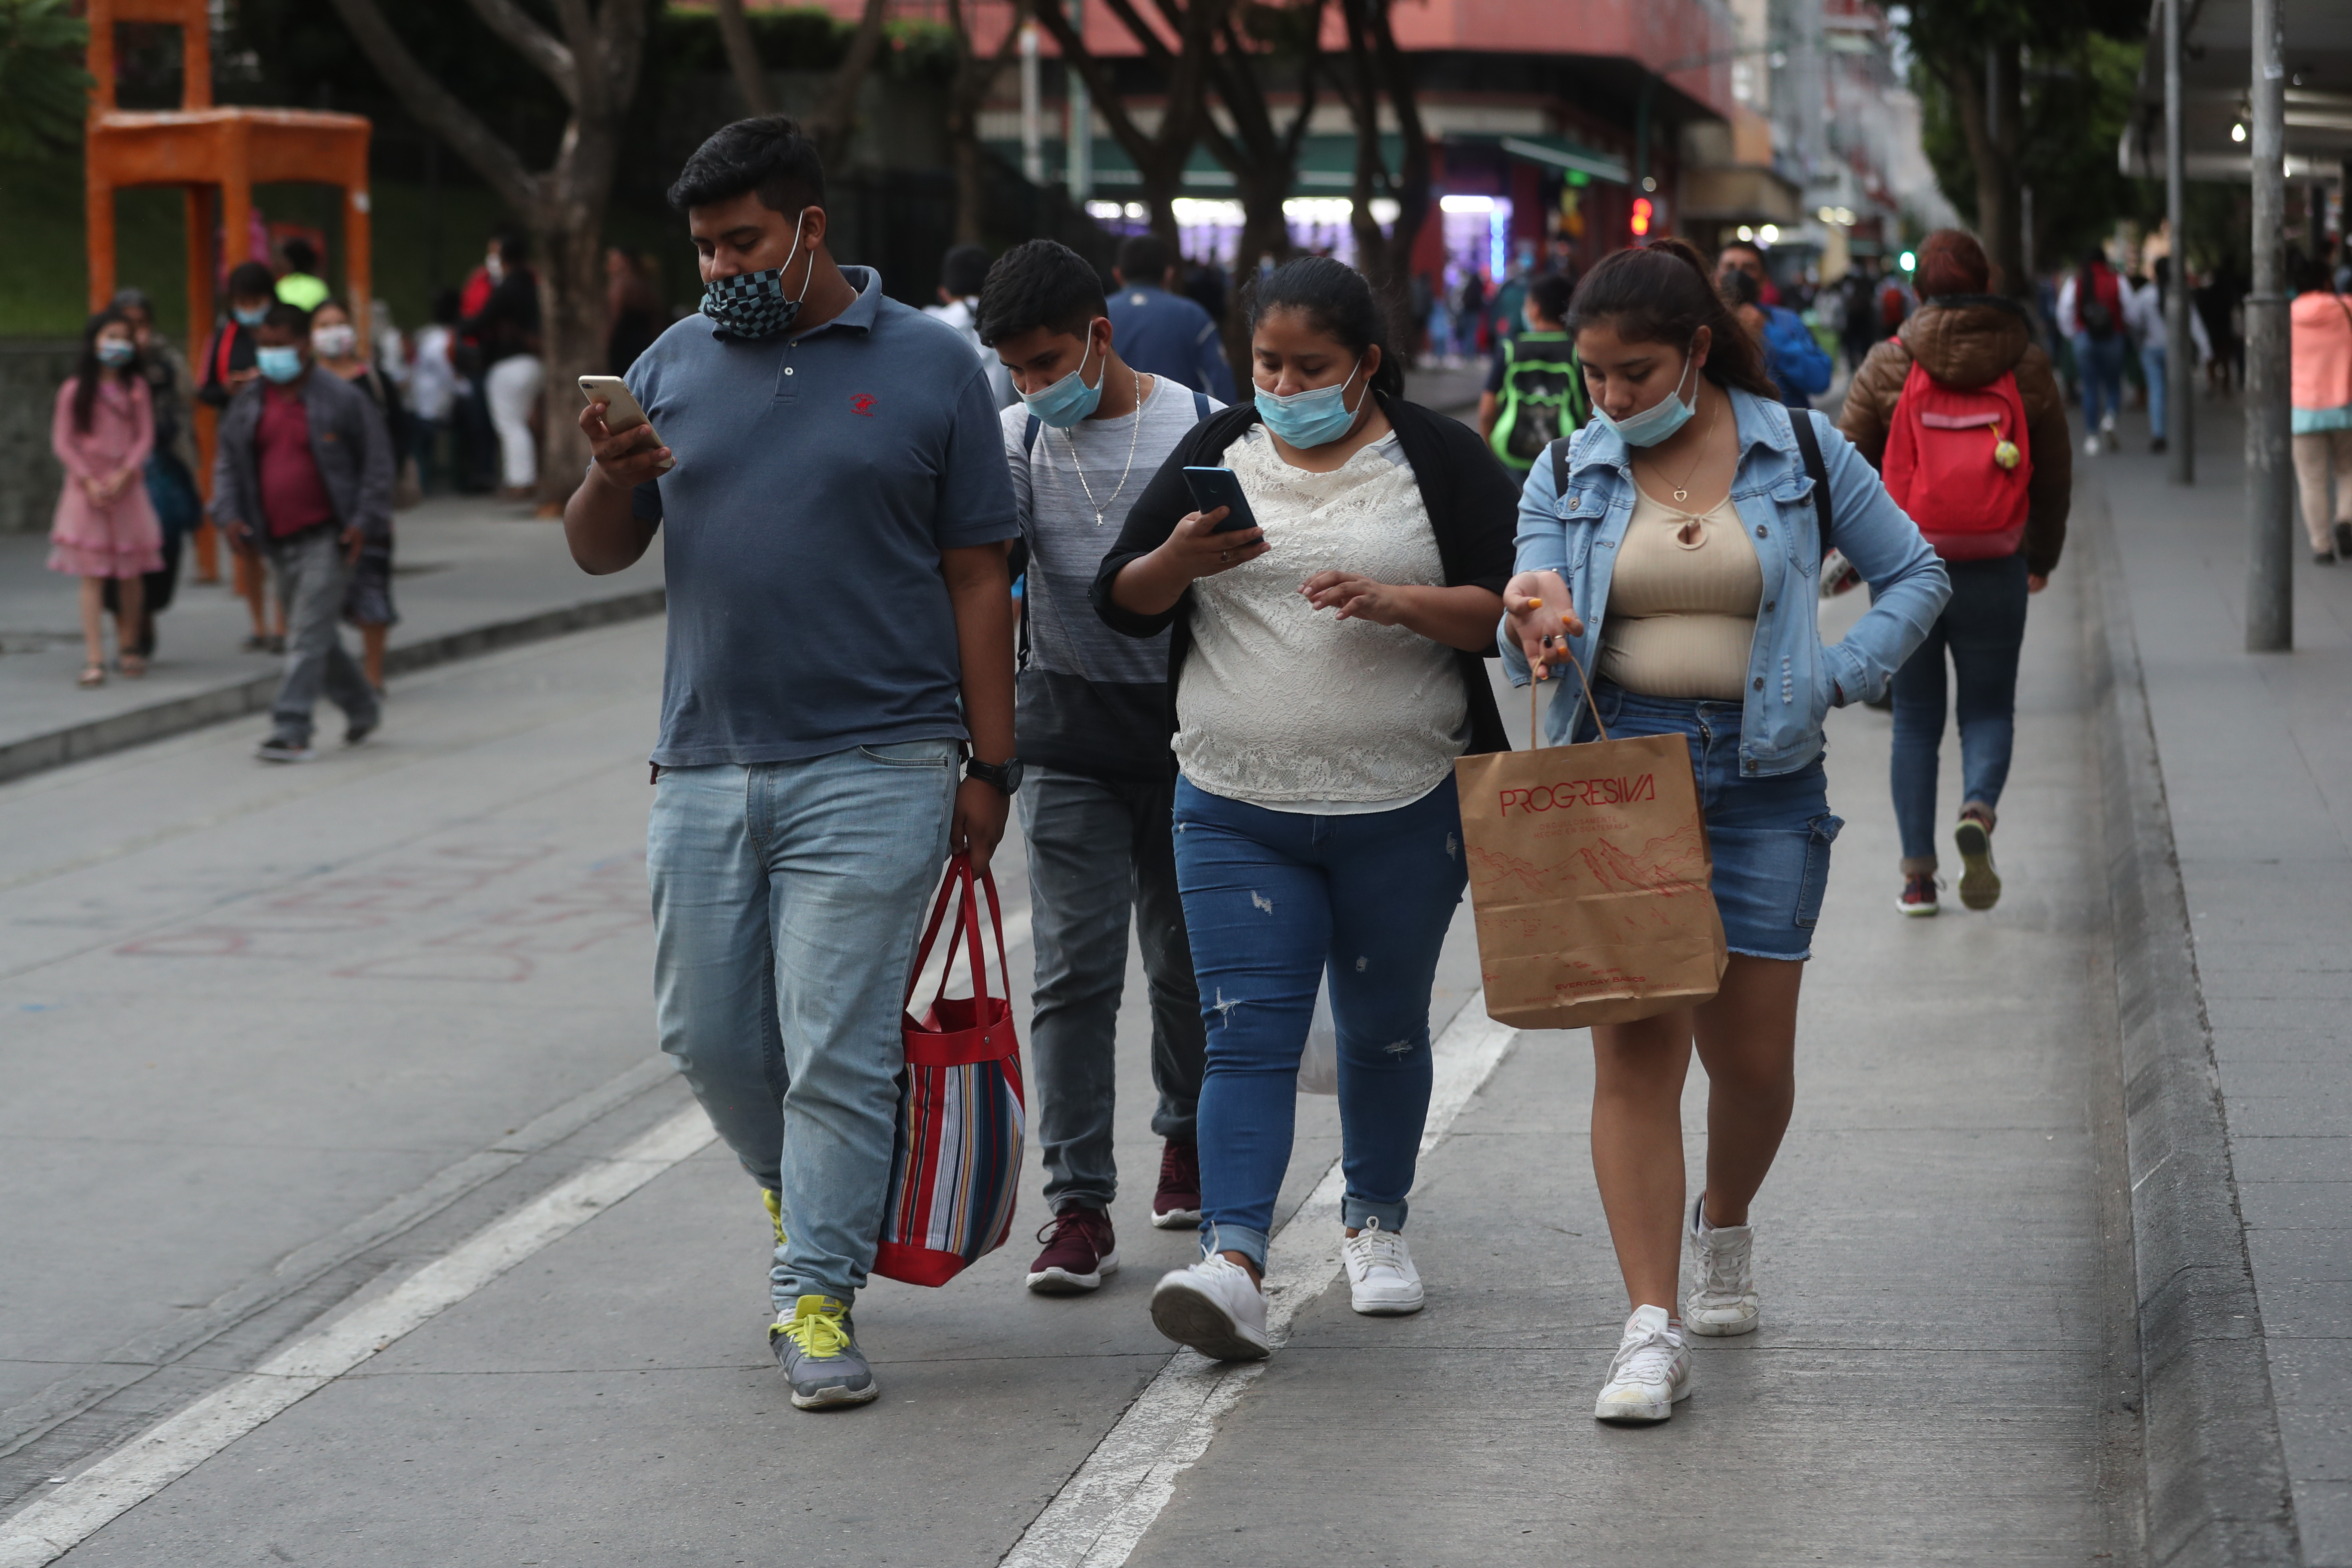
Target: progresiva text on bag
[1568,793]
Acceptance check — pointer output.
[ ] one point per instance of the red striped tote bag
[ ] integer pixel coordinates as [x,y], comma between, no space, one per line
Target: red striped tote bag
[955,1175]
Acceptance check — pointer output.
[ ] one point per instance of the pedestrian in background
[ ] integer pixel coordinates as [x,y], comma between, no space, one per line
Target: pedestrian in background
[1099,786]
[1797,363]
[1163,333]
[2144,315]
[632,309]
[228,368]
[104,530]
[433,384]
[300,285]
[1535,389]
[1859,315]
[840,635]
[2319,348]
[507,327]
[1691,533]
[303,473]
[171,471]
[1326,669]
[1966,339]
[367,604]
[2091,314]
[963,273]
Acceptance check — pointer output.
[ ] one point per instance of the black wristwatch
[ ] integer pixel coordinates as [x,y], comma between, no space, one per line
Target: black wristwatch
[1005,775]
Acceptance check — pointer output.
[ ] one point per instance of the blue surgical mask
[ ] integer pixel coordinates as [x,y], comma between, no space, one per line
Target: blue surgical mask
[279,364]
[116,353]
[1069,400]
[1661,420]
[248,317]
[1315,417]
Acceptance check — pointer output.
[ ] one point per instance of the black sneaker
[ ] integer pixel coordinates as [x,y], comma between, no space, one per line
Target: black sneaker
[281,749]
[361,729]
[1980,883]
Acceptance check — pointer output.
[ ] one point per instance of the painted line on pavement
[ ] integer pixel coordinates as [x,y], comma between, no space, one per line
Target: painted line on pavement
[1102,1513]
[136,1472]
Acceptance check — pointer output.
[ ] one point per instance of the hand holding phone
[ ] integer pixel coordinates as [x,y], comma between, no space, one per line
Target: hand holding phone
[1215,487]
[621,417]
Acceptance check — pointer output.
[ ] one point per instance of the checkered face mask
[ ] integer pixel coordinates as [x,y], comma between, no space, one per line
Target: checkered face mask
[752,305]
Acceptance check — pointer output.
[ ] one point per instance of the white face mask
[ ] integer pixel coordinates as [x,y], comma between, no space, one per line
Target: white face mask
[334,341]
[494,265]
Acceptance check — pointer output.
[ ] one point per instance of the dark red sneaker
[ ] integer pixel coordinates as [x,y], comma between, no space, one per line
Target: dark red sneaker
[1079,1250]
[1177,1203]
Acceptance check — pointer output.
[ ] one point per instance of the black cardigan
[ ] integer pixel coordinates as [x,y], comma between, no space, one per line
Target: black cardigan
[1473,505]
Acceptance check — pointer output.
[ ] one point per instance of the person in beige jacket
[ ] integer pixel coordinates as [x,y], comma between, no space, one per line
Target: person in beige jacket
[1965,336]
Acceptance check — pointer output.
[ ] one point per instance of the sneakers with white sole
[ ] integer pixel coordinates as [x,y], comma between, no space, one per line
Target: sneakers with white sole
[1381,1280]
[1650,1373]
[1722,1301]
[1216,1307]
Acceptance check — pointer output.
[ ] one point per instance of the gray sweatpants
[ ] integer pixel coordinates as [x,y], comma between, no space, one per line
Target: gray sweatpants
[1097,848]
[313,578]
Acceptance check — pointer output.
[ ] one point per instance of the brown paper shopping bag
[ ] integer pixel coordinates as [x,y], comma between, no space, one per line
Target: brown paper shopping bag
[1590,874]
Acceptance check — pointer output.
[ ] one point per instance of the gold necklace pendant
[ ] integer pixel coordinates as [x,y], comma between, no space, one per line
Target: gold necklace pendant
[1682,495]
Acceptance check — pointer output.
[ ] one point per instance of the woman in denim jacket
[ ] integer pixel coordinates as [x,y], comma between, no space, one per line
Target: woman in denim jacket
[1680,568]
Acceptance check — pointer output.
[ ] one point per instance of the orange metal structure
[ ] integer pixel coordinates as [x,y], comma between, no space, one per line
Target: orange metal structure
[216,156]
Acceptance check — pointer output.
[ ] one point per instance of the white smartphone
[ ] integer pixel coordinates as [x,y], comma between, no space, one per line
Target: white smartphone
[620,410]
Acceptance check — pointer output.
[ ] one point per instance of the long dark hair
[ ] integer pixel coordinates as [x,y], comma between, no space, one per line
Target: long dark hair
[90,372]
[1661,293]
[1338,303]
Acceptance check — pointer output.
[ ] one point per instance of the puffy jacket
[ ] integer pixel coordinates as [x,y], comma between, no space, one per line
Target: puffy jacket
[1793,677]
[1969,340]
[1795,360]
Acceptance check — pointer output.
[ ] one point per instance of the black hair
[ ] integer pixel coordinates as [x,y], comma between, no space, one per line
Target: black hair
[769,154]
[89,372]
[1338,303]
[1550,294]
[1663,294]
[964,270]
[446,307]
[133,300]
[1043,283]
[301,255]
[338,304]
[2306,274]
[1143,259]
[252,280]
[514,247]
[1749,246]
[289,317]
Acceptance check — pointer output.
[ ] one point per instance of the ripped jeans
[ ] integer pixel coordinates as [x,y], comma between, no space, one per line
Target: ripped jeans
[1272,900]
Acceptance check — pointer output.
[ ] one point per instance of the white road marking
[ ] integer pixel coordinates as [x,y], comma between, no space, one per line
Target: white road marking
[69,1514]
[1101,1513]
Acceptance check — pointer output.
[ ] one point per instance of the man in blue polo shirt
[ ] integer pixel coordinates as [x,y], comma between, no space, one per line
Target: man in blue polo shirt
[829,483]
[1161,334]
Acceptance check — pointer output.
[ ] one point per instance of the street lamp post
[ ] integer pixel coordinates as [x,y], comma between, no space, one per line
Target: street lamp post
[2270,489]
[2180,351]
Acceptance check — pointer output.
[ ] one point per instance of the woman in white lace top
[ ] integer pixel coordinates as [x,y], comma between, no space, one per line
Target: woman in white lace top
[1324,669]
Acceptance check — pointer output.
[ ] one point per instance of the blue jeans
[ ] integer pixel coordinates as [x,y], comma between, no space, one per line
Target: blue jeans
[2151,365]
[788,897]
[1982,627]
[1273,901]
[2100,362]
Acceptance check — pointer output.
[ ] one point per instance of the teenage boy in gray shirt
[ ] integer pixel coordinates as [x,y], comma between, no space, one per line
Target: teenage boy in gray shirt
[834,533]
[1087,435]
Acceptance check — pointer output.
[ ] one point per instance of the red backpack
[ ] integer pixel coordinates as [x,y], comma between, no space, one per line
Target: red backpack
[1957,461]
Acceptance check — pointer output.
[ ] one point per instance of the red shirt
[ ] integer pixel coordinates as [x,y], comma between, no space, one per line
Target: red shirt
[293,495]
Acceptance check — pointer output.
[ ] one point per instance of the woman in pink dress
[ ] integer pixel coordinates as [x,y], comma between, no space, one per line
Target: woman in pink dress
[105,526]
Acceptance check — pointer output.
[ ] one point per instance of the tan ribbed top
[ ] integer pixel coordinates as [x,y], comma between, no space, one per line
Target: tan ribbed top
[1682,603]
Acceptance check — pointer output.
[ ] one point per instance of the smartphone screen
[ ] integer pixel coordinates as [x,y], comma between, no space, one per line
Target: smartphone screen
[1215,487]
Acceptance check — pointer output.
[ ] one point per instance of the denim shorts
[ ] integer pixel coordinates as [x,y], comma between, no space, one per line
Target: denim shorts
[1769,837]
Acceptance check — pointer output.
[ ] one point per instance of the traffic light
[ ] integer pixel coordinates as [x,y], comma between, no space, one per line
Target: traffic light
[1642,211]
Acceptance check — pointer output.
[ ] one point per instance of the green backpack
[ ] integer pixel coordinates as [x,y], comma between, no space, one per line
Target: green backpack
[1543,398]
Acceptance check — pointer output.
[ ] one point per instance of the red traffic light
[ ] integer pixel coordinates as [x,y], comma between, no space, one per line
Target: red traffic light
[1642,211]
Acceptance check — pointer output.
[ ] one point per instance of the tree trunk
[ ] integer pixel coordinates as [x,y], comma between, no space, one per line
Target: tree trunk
[835,119]
[1159,158]
[1992,151]
[744,58]
[574,338]
[1376,64]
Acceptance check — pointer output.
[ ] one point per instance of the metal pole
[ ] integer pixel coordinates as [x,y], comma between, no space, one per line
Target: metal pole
[2180,350]
[2270,483]
[1078,145]
[1033,135]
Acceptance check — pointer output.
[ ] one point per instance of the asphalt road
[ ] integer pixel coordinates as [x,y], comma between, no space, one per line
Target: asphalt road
[276,1040]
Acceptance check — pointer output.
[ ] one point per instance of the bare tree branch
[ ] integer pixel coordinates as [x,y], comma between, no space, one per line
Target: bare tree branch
[546,53]
[832,123]
[439,108]
[743,57]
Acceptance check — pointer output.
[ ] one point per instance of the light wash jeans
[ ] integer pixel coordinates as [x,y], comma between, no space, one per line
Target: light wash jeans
[2151,365]
[788,897]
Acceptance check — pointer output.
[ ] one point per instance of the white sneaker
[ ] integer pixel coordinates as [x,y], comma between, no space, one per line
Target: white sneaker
[1722,1300]
[2107,423]
[1214,1307]
[1651,1373]
[1382,1279]
[2091,446]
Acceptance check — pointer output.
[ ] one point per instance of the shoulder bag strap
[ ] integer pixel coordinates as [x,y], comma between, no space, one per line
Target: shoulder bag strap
[1809,446]
[1029,434]
[1560,468]
[1199,407]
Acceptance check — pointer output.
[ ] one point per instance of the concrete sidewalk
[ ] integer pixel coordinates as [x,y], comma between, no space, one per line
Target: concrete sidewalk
[2255,752]
[468,574]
